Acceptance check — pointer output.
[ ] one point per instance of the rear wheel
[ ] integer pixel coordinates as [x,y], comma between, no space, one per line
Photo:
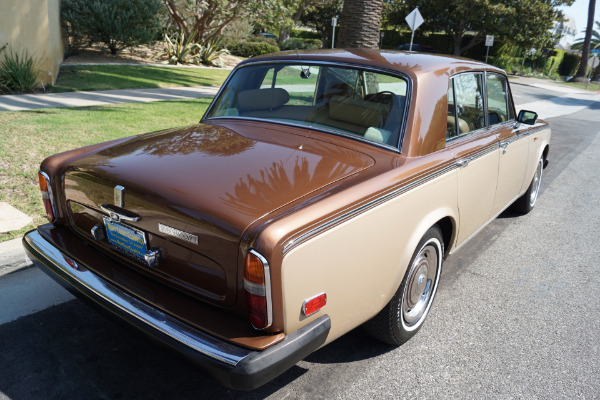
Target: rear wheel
[525,203]
[404,315]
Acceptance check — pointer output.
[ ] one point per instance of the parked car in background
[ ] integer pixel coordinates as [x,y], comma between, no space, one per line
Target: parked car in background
[268,35]
[416,47]
[321,191]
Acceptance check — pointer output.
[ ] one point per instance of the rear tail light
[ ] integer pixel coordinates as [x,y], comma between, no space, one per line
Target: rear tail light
[47,196]
[257,284]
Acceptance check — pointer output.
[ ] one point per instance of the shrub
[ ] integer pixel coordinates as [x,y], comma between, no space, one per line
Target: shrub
[300,44]
[569,64]
[261,38]
[237,30]
[304,34]
[251,49]
[116,23]
[554,61]
[18,72]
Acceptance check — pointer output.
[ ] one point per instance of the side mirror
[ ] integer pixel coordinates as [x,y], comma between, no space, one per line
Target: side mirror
[527,117]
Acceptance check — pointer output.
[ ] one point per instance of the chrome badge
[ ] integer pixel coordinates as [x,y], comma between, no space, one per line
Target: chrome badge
[119,195]
[188,237]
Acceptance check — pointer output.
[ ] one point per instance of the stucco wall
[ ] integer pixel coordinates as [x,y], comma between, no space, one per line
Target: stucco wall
[34,26]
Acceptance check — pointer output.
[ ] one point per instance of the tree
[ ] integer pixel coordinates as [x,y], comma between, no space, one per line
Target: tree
[527,23]
[594,45]
[116,23]
[205,19]
[585,51]
[319,17]
[360,22]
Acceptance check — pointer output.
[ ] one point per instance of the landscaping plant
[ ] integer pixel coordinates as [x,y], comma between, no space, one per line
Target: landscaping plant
[18,71]
[116,23]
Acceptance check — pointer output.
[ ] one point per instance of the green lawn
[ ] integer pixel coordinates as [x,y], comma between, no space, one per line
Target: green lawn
[27,137]
[75,78]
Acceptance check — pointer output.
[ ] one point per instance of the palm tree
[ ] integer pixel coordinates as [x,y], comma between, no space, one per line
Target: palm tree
[360,24]
[594,44]
[585,51]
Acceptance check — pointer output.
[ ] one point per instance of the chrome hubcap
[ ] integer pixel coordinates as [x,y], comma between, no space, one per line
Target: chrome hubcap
[537,180]
[420,285]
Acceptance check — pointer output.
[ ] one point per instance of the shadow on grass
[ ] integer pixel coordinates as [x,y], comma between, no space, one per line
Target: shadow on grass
[106,77]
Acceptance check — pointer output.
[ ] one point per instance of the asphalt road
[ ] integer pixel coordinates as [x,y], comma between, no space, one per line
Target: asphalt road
[517,315]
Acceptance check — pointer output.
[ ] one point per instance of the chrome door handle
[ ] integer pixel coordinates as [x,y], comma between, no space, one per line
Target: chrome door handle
[503,146]
[463,162]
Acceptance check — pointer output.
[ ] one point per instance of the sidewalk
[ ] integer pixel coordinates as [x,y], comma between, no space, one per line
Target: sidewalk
[20,102]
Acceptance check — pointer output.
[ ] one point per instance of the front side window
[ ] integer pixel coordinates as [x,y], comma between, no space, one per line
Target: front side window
[351,101]
[499,109]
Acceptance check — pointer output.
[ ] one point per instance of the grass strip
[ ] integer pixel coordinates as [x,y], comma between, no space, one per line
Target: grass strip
[76,78]
[27,137]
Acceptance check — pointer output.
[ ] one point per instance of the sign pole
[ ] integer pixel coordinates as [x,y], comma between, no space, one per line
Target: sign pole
[333,23]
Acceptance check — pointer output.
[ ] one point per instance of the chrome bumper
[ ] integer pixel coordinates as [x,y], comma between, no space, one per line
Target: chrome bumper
[233,366]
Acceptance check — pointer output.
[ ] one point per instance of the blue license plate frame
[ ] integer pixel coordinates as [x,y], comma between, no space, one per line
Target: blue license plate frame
[126,238]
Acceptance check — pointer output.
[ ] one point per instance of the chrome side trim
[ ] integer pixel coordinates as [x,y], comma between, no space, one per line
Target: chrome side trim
[268,294]
[373,203]
[199,341]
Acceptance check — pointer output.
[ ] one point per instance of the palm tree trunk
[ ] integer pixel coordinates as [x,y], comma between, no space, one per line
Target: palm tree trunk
[360,24]
[580,75]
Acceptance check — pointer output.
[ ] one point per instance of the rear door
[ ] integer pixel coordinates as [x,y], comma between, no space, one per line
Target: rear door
[475,149]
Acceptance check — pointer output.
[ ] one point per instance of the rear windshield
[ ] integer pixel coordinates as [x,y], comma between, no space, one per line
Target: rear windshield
[354,102]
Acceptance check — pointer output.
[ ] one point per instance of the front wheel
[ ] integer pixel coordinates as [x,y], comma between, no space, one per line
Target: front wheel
[524,204]
[404,315]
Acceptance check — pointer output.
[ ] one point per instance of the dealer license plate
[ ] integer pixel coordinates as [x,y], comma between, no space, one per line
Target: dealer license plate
[126,238]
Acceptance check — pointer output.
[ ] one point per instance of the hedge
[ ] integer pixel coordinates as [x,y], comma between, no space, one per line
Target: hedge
[251,49]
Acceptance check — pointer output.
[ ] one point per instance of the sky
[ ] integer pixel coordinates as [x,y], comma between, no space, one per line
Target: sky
[579,11]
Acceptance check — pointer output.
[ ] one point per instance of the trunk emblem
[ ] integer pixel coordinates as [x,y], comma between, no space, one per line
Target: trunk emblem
[119,194]
[188,237]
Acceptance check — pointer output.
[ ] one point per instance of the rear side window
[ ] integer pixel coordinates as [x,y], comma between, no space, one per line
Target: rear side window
[465,104]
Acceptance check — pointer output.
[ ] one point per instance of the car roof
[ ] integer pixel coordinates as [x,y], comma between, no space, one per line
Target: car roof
[410,63]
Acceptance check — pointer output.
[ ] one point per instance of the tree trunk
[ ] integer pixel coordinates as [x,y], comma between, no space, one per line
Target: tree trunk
[360,24]
[580,75]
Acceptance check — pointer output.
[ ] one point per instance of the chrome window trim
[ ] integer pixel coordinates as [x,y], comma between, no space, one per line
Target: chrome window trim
[268,294]
[361,67]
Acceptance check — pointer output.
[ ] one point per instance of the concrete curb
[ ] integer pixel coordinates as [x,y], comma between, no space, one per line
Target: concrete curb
[12,257]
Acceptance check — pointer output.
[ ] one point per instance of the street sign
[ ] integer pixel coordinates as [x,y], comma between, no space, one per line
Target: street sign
[414,19]
[595,51]
[489,40]
[593,62]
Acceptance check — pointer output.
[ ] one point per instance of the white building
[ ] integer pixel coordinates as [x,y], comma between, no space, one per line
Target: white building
[568,31]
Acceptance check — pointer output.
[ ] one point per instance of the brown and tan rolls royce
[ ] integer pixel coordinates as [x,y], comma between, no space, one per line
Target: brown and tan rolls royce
[321,191]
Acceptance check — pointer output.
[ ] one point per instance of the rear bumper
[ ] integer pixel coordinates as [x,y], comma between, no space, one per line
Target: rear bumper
[232,365]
